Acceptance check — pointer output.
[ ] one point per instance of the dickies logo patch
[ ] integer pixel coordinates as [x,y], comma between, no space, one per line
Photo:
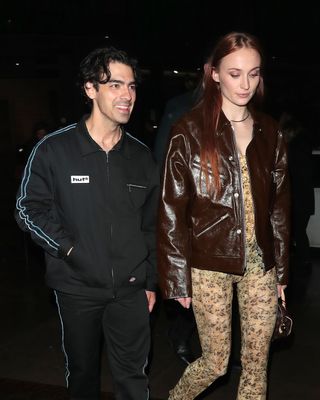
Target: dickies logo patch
[80,179]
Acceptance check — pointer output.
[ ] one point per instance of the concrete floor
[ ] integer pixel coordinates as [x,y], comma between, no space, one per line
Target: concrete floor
[30,338]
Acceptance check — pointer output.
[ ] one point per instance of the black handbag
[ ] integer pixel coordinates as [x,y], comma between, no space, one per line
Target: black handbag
[284,321]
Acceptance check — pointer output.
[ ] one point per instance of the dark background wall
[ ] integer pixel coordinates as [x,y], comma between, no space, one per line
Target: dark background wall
[42,43]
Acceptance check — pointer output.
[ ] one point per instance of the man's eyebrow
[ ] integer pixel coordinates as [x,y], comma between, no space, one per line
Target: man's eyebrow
[120,81]
[115,81]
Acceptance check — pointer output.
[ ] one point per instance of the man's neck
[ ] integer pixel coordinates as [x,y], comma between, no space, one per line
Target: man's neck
[106,135]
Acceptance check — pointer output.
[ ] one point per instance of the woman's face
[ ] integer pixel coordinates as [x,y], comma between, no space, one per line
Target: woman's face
[238,75]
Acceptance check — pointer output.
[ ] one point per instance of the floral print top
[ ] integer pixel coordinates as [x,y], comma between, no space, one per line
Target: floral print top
[248,203]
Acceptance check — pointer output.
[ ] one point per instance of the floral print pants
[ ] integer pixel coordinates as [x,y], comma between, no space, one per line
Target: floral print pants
[212,306]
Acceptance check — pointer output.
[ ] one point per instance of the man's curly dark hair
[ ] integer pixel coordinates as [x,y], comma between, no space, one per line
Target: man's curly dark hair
[94,67]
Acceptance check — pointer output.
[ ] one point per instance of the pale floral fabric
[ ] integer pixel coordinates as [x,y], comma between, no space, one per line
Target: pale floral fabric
[212,305]
[248,203]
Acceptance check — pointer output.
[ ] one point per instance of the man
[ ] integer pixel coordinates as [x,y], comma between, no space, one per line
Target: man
[302,189]
[174,109]
[181,321]
[89,197]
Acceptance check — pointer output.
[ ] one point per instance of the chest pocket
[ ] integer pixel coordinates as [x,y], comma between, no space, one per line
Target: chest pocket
[137,194]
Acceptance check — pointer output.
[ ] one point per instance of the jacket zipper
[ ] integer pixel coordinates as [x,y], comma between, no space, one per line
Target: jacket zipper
[242,202]
[111,231]
[112,272]
[212,225]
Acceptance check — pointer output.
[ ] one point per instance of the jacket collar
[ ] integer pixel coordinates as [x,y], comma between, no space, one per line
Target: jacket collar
[89,146]
[224,123]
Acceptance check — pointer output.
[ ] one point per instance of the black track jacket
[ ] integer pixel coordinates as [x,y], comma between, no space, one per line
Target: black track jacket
[104,204]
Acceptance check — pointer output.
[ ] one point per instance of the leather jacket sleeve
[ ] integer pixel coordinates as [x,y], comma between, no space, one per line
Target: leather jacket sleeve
[280,216]
[174,226]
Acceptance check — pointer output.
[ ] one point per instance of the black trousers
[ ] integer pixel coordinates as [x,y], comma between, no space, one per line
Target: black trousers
[181,321]
[124,325]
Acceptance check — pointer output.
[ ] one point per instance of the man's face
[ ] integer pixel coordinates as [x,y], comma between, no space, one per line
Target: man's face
[115,99]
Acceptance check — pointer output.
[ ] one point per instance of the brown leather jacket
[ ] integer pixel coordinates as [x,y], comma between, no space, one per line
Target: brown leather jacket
[207,231]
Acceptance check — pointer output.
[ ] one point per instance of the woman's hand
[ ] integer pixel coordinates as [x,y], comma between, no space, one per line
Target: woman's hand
[281,289]
[151,297]
[184,301]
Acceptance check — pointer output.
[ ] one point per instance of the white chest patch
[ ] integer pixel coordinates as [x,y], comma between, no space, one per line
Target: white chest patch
[80,179]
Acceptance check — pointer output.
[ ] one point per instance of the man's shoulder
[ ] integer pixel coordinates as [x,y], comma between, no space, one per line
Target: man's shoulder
[135,148]
[135,144]
[189,121]
[265,119]
[180,104]
[60,134]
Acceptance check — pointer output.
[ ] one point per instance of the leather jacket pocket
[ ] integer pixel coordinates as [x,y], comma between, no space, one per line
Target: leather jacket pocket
[210,226]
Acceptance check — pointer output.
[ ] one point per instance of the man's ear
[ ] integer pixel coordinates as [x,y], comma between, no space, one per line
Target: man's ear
[215,75]
[90,90]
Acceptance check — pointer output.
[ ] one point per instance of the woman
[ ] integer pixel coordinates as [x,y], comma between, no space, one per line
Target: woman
[223,218]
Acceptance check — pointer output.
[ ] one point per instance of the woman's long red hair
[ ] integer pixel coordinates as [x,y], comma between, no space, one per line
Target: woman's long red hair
[210,102]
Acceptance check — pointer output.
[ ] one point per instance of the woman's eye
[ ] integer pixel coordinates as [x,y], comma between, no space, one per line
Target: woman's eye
[234,75]
[255,73]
